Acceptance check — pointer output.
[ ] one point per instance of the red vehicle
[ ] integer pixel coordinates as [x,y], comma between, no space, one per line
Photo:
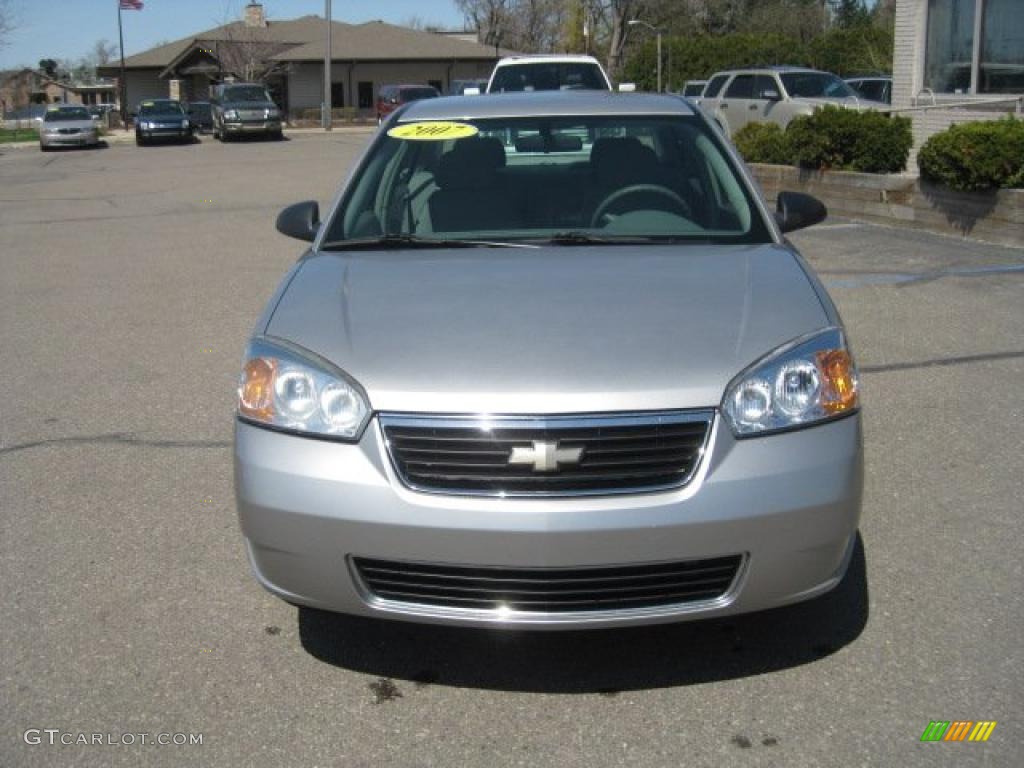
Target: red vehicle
[391,97]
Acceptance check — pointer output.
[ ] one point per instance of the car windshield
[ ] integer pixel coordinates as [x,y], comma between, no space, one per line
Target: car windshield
[558,179]
[816,85]
[245,93]
[548,76]
[415,94]
[169,108]
[67,113]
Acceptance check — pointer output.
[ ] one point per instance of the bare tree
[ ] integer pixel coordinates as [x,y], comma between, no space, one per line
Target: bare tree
[247,53]
[103,51]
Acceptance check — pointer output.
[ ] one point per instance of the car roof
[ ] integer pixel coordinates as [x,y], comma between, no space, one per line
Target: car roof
[545,104]
[548,58]
[773,68]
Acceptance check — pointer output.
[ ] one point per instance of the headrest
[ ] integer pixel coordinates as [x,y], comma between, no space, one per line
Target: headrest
[470,163]
[624,158]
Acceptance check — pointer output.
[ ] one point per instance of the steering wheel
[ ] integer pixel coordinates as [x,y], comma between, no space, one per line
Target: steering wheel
[637,189]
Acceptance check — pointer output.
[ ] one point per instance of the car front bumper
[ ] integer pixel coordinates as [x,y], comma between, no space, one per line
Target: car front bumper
[261,126]
[179,133]
[69,139]
[788,503]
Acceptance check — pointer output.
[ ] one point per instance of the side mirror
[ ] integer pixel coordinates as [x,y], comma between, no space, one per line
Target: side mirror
[627,87]
[795,210]
[301,221]
[771,94]
[471,92]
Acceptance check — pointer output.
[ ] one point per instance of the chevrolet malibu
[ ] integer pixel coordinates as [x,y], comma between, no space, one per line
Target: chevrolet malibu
[67,126]
[549,362]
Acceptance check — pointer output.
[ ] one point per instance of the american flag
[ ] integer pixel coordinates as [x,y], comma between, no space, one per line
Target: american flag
[131,5]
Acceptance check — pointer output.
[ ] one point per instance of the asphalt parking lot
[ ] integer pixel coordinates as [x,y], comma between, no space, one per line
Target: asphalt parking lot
[129,280]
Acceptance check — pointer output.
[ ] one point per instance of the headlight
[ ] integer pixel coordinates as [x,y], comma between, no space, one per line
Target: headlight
[184,123]
[231,114]
[273,114]
[807,381]
[290,388]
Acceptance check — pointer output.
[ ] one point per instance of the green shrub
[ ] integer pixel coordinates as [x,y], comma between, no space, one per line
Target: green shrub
[763,143]
[844,139]
[971,156]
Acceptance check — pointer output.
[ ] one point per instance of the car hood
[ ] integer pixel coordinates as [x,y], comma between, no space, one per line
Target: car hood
[551,330]
[248,105]
[846,101]
[82,125]
[163,119]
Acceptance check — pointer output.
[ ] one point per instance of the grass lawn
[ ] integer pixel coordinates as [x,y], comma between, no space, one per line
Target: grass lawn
[8,135]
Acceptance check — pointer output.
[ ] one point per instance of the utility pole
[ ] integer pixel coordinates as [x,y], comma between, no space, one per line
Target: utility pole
[326,116]
[122,83]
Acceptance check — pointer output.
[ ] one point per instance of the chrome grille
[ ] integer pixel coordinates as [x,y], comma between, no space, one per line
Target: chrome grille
[548,590]
[547,456]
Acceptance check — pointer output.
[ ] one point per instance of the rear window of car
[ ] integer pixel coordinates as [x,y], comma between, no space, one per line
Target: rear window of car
[414,94]
[67,113]
[870,89]
[813,85]
[650,177]
[715,86]
[549,76]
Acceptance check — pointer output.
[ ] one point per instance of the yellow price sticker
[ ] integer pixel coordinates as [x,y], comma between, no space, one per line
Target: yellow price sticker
[433,131]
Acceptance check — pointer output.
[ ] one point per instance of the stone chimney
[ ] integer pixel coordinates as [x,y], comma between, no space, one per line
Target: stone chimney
[255,16]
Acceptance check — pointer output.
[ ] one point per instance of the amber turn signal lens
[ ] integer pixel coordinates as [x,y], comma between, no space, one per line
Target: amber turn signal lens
[839,381]
[256,392]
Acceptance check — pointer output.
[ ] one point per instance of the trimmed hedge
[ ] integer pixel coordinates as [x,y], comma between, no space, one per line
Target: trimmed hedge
[763,143]
[834,138]
[973,156]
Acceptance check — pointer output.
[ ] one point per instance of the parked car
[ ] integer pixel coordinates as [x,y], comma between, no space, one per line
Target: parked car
[775,95]
[244,109]
[693,89]
[200,116]
[877,88]
[554,72]
[459,87]
[67,125]
[161,120]
[587,387]
[391,97]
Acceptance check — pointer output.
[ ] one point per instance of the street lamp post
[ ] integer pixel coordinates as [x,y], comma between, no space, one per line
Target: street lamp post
[657,32]
[325,118]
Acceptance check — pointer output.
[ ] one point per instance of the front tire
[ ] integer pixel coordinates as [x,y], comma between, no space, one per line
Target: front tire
[139,141]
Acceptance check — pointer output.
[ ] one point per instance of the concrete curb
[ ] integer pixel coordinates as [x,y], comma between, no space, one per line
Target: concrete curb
[904,201]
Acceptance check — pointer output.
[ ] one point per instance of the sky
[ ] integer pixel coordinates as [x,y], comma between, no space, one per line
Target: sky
[68,29]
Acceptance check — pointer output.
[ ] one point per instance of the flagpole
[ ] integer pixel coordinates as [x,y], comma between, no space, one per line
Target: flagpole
[124,84]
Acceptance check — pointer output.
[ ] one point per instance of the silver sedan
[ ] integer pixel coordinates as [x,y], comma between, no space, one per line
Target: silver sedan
[549,362]
[67,126]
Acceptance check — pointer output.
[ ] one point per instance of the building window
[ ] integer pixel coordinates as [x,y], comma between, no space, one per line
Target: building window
[956,62]
[1001,68]
[365,94]
[337,95]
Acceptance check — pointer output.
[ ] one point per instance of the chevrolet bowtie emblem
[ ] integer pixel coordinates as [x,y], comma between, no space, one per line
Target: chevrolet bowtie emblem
[545,456]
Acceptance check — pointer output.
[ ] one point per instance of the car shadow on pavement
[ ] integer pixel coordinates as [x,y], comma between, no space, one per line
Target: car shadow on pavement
[595,661]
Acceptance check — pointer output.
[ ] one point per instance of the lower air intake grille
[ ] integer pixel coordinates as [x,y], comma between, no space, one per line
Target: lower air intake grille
[547,456]
[548,590]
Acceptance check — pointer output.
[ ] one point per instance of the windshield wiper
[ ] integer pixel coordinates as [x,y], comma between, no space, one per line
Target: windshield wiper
[391,242]
[582,238]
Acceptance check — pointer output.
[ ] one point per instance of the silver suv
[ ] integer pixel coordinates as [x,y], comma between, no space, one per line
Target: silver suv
[774,95]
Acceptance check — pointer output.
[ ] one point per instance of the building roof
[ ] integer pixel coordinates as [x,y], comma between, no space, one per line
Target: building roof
[377,41]
[304,38]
